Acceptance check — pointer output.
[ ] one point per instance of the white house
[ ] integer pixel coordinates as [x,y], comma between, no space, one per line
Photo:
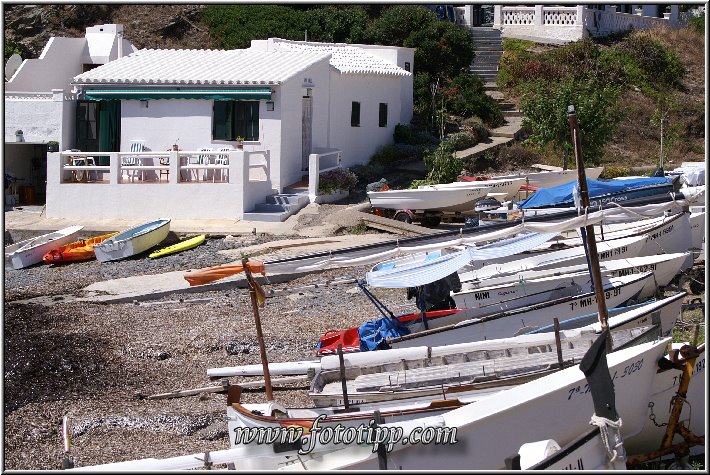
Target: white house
[292,102]
[39,101]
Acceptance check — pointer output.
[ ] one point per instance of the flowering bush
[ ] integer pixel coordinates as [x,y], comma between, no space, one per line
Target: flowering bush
[337,179]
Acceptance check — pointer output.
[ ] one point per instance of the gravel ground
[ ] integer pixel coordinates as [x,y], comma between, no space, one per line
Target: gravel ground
[89,360]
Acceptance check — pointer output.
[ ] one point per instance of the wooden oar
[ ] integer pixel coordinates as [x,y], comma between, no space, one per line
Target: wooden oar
[224,387]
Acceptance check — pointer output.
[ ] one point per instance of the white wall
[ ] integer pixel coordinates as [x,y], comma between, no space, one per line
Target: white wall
[60,61]
[40,119]
[165,121]
[360,143]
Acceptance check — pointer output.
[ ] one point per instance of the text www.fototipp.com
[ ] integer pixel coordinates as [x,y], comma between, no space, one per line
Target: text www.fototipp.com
[370,434]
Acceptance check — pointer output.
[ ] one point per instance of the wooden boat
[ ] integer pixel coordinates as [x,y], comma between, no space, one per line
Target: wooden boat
[133,241]
[31,251]
[75,251]
[178,247]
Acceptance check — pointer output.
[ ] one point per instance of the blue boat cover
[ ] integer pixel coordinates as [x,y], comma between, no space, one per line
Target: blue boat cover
[373,334]
[561,195]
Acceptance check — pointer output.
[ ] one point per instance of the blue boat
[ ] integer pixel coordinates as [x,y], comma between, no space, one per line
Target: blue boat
[600,192]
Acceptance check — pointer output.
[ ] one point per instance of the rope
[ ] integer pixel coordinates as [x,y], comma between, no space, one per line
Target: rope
[603,423]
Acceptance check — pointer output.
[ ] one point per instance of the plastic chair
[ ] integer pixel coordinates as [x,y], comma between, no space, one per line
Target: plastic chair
[133,160]
[222,159]
[81,175]
[202,159]
[165,161]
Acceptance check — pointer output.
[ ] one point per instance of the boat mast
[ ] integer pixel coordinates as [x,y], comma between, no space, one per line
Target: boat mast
[589,229]
[259,334]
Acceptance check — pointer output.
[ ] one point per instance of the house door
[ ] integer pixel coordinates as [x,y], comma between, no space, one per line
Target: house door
[109,125]
[307,120]
[87,126]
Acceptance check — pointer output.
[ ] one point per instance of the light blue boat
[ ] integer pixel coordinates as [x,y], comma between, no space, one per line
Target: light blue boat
[133,241]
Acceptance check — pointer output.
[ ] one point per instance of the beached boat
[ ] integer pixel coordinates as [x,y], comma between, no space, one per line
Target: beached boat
[600,192]
[183,245]
[133,241]
[31,251]
[446,197]
[543,179]
[556,406]
[662,313]
[506,323]
[76,251]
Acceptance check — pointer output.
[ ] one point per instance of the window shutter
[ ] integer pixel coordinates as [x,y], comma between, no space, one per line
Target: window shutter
[383,114]
[355,115]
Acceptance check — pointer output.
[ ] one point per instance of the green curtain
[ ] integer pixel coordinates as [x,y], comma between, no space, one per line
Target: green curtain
[109,119]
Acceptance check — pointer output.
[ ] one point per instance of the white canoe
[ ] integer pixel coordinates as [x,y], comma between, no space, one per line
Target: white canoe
[133,241]
[30,251]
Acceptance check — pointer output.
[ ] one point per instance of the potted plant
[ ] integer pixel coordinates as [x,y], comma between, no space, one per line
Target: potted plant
[52,146]
[240,142]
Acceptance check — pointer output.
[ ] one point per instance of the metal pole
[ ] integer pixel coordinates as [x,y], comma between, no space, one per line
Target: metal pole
[259,334]
[591,241]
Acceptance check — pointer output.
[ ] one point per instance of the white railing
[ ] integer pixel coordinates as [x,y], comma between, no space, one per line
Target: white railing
[326,159]
[163,182]
[148,167]
[559,24]
[518,16]
[601,23]
[565,16]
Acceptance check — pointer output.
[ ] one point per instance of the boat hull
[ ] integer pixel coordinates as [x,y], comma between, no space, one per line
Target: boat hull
[31,251]
[179,247]
[75,251]
[133,241]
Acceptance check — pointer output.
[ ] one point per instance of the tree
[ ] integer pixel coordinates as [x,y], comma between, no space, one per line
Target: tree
[544,105]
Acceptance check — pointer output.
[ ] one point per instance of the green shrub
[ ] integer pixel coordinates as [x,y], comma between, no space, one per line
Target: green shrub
[661,66]
[462,140]
[406,135]
[336,179]
[467,98]
[367,174]
[443,165]
[389,154]
[613,171]
[517,46]
[476,126]
[480,163]
[417,183]
[697,24]
[516,156]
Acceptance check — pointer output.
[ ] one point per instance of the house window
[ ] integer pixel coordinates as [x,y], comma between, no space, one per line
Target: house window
[355,115]
[235,118]
[383,114]
[407,66]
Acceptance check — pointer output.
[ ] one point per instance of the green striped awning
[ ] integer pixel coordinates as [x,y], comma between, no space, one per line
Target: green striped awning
[146,94]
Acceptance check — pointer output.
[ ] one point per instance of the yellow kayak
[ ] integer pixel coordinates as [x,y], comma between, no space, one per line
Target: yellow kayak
[179,247]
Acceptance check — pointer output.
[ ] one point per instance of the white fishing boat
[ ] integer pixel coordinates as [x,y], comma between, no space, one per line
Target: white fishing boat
[511,322]
[444,197]
[133,241]
[664,266]
[30,251]
[664,388]
[662,312]
[556,406]
[550,178]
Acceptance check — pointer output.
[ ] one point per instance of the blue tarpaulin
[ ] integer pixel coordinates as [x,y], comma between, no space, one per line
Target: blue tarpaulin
[562,195]
[373,334]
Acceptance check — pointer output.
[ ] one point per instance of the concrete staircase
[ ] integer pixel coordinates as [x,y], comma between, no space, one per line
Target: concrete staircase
[489,47]
[280,206]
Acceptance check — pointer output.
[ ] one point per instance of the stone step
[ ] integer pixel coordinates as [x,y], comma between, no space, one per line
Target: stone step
[287,199]
[490,86]
[512,113]
[490,143]
[264,217]
[506,106]
[511,129]
[494,94]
